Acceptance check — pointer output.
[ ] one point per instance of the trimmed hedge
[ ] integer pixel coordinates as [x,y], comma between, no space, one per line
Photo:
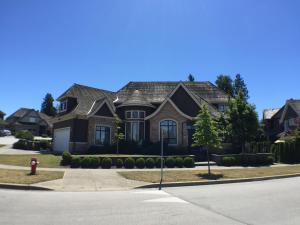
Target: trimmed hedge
[66,158]
[106,163]
[228,161]
[287,152]
[189,162]
[129,163]
[170,162]
[158,162]
[150,163]
[119,163]
[32,145]
[24,134]
[179,162]
[76,162]
[140,163]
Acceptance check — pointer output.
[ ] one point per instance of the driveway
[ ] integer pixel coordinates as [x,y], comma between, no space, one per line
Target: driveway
[273,202]
[8,141]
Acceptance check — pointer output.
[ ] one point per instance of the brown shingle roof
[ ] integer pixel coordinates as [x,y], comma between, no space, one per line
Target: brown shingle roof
[156,92]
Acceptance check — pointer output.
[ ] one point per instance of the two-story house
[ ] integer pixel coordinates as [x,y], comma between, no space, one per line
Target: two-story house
[29,119]
[87,115]
[278,122]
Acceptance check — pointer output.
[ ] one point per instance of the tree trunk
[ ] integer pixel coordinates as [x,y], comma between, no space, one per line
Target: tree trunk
[208,163]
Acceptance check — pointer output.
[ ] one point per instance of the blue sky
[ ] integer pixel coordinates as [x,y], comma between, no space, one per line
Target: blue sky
[46,46]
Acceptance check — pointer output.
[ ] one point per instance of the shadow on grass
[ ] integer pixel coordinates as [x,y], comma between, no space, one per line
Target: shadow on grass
[212,176]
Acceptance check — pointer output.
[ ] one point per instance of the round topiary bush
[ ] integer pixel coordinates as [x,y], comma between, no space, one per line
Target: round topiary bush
[119,163]
[106,163]
[170,162]
[188,162]
[94,162]
[129,163]
[269,160]
[86,162]
[140,163]
[150,163]
[228,161]
[179,162]
[75,163]
[158,162]
[66,158]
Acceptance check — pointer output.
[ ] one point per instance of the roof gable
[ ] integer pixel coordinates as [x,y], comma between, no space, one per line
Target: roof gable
[104,111]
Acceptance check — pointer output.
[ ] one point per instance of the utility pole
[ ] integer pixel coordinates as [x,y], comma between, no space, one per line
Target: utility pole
[161,159]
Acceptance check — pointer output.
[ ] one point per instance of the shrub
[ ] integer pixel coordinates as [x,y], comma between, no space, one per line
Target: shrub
[170,162]
[23,144]
[158,163]
[66,158]
[188,162]
[140,163]
[106,163]
[24,134]
[36,146]
[86,162]
[76,162]
[94,162]
[129,163]
[228,161]
[150,163]
[45,144]
[179,162]
[119,163]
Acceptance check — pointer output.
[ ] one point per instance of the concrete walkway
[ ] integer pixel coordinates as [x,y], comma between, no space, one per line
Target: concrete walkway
[8,141]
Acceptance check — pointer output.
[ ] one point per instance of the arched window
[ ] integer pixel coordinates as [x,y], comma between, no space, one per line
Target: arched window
[169,129]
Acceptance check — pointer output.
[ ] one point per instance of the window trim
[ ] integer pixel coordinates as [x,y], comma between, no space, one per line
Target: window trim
[131,111]
[64,102]
[110,131]
[176,130]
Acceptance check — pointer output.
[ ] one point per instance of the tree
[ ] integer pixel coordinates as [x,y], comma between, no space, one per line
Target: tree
[119,136]
[206,133]
[240,86]
[191,78]
[47,105]
[224,82]
[243,121]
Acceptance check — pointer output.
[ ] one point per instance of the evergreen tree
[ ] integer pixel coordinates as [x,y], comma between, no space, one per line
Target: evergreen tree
[191,78]
[47,105]
[243,121]
[206,133]
[119,136]
[240,87]
[224,82]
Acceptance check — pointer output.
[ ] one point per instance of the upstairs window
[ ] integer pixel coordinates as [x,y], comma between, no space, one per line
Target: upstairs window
[32,119]
[63,106]
[135,114]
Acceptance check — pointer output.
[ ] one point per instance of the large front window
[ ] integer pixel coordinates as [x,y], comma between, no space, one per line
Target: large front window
[168,128]
[135,126]
[102,135]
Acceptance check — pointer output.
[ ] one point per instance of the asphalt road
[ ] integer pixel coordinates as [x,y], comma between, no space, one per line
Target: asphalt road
[267,202]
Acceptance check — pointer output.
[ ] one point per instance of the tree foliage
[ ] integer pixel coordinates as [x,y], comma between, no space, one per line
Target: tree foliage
[206,131]
[191,78]
[243,121]
[239,86]
[225,83]
[47,105]
[119,136]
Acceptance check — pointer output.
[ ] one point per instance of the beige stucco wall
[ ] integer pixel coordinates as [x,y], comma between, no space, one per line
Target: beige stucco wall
[104,121]
[169,112]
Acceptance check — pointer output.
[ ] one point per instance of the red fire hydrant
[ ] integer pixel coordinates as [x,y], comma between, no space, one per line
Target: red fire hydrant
[33,164]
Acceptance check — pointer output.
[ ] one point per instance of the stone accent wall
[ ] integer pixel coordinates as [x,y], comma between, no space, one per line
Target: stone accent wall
[97,120]
[169,112]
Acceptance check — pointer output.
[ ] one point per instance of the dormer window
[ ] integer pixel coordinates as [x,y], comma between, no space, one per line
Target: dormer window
[63,106]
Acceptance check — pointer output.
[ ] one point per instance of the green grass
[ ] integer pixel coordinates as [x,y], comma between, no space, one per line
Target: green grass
[46,161]
[201,175]
[23,176]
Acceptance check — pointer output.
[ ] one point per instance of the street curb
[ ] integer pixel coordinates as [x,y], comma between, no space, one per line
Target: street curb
[26,187]
[225,181]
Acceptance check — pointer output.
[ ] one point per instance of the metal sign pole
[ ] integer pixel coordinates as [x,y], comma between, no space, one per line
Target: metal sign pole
[161,160]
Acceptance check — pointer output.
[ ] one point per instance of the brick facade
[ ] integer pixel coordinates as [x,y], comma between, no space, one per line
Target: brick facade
[169,112]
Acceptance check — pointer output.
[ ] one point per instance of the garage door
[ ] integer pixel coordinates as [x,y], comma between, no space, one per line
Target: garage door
[61,139]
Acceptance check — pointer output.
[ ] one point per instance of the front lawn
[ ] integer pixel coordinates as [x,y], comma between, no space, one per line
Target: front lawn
[23,176]
[201,175]
[46,161]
